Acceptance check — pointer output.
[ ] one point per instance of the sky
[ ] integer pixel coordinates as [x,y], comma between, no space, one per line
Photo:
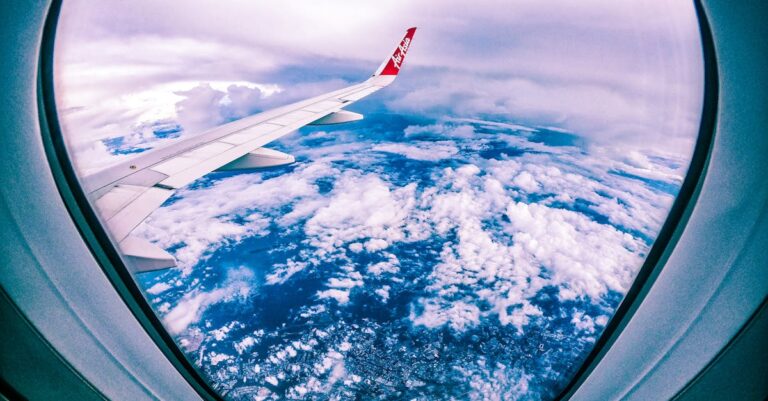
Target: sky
[624,74]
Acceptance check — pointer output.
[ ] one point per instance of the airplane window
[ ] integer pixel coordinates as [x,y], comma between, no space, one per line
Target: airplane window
[469,238]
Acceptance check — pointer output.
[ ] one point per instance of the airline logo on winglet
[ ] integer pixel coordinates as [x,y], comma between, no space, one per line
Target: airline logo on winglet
[398,57]
[396,61]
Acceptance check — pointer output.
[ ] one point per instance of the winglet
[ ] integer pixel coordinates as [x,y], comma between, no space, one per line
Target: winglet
[391,66]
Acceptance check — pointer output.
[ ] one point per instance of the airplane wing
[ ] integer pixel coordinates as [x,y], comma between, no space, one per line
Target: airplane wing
[126,194]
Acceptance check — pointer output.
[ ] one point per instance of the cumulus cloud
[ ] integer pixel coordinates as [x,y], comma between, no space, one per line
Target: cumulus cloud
[447,130]
[428,151]
[511,225]
[202,220]
[546,247]
[191,306]
[458,315]
[158,288]
[552,242]
[585,258]
[341,296]
[597,188]
[362,207]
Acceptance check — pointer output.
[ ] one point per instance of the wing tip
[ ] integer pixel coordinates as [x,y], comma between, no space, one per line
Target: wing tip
[391,65]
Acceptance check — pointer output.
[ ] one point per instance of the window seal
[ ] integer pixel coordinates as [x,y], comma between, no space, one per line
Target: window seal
[87,222]
[107,256]
[676,219]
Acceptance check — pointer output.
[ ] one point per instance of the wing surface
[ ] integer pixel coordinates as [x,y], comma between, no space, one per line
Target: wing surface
[127,193]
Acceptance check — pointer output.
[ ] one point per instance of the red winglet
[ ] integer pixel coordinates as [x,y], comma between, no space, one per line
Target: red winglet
[392,65]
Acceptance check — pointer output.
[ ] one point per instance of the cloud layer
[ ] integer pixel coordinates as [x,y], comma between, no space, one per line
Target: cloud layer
[622,74]
[510,235]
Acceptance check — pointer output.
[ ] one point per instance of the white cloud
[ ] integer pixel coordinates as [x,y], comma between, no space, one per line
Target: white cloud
[428,151]
[271,380]
[497,382]
[282,272]
[383,292]
[216,358]
[625,202]
[618,72]
[496,233]
[202,219]
[585,258]
[376,244]
[449,35]
[345,282]
[458,315]
[451,131]
[361,207]
[526,182]
[605,115]
[542,244]
[245,344]
[341,296]
[158,288]
[190,308]
[389,266]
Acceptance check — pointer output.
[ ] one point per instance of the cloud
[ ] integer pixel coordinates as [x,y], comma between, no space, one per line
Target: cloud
[361,207]
[485,239]
[158,288]
[203,220]
[497,382]
[458,315]
[585,258]
[546,247]
[427,151]
[603,114]
[191,306]
[508,227]
[447,130]
[448,35]
[629,204]
[341,296]
[622,74]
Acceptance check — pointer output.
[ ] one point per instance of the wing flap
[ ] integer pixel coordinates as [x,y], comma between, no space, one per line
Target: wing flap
[126,219]
[145,256]
[259,158]
[113,201]
[338,117]
[190,159]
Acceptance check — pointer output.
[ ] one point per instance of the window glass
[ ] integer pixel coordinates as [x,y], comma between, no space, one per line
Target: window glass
[469,239]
